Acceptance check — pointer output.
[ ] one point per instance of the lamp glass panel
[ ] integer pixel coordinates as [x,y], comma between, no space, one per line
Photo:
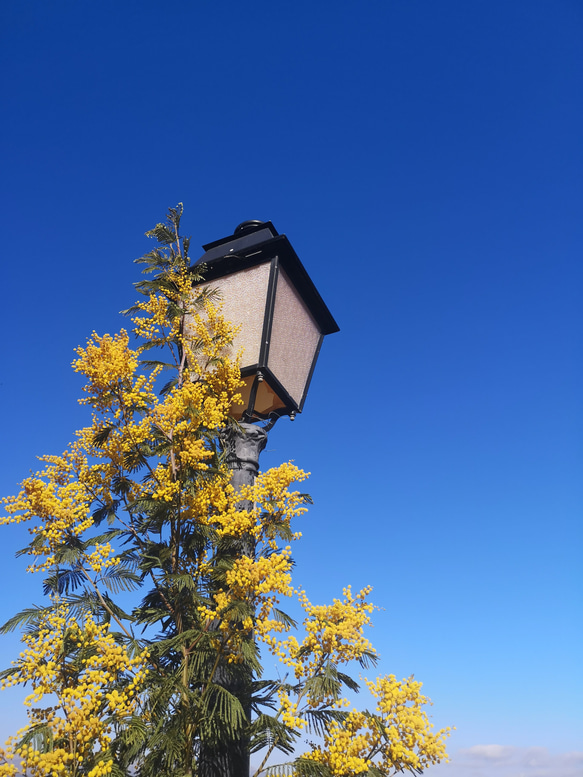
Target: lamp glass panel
[294,339]
[266,400]
[244,297]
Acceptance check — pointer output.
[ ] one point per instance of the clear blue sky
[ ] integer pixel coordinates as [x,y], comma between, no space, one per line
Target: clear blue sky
[425,160]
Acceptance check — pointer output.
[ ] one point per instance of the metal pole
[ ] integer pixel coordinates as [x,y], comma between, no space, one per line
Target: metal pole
[242,445]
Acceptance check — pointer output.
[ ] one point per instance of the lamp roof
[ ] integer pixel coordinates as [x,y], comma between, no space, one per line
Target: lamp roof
[256,242]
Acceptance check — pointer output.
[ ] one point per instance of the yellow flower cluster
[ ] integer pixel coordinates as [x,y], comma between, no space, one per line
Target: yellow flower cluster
[400,738]
[262,578]
[55,763]
[334,633]
[194,453]
[274,506]
[139,394]
[251,578]
[270,492]
[58,499]
[155,321]
[346,746]
[107,362]
[61,497]
[213,496]
[166,486]
[289,711]
[90,680]
[101,558]
[114,387]
[208,337]
[337,629]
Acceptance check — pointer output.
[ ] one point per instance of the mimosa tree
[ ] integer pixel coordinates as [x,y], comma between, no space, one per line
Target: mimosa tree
[163,590]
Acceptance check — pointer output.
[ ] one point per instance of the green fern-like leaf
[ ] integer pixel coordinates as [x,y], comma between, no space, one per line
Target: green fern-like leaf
[27,617]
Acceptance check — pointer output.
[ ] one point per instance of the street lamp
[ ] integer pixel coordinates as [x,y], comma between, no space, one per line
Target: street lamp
[265,290]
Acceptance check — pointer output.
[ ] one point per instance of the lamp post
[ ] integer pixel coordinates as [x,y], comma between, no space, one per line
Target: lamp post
[266,291]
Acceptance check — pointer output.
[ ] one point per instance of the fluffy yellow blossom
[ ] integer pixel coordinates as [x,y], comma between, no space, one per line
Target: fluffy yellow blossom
[88,680]
[333,633]
[400,737]
[107,362]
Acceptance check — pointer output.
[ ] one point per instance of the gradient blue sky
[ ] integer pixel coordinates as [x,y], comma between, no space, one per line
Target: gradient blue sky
[425,160]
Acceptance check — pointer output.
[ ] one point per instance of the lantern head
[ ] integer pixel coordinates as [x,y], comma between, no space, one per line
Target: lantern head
[265,290]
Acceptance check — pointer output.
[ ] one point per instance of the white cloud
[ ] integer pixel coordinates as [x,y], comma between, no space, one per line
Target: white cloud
[489,752]
[505,761]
